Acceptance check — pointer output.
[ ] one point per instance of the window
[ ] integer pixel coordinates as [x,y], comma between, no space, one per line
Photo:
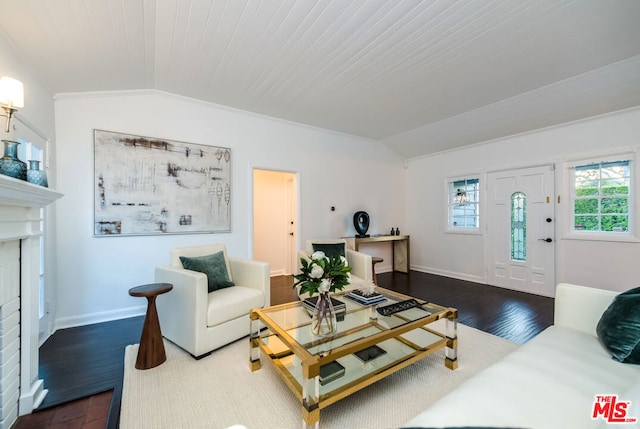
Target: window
[601,197]
[464,201]
[518,227]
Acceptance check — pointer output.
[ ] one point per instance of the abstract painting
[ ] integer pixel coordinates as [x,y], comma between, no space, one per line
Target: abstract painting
[148,186]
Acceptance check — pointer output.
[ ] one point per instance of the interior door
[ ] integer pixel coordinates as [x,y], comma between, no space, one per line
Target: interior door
[520,230]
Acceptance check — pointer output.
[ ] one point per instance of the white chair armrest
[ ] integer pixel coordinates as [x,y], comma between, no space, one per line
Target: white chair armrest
[361,264]
[253,274]
[580,307]
[185,306]
[302,254]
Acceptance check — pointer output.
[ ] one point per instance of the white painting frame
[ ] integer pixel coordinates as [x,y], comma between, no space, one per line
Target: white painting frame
[151,186]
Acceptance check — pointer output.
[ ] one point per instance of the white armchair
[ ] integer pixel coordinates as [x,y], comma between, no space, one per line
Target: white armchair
[360,263]
[200,321]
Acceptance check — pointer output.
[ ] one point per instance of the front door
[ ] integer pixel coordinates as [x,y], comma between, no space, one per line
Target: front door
[520,230]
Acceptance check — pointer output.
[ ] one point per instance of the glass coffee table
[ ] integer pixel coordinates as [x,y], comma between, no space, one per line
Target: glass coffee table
[366,347]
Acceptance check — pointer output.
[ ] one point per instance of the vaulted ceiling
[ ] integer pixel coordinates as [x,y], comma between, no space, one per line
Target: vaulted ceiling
[420,76]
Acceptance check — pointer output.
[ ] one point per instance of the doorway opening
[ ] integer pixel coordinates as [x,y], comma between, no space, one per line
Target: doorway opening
[275,210]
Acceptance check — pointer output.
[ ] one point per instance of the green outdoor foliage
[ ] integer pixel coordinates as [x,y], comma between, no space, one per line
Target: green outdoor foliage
[610,208]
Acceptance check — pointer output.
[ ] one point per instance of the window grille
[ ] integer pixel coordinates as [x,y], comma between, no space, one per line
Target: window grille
[464,204]
[601,197]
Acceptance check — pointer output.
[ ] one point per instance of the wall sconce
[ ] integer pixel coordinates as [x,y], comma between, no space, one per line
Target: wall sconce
[461,197]
[11,97]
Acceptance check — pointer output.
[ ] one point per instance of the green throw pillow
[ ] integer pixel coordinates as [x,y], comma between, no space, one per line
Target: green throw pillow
[214,266]
[331,250]
[619,327]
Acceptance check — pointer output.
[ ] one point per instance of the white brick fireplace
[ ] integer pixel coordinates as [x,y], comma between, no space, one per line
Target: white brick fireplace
[20,230]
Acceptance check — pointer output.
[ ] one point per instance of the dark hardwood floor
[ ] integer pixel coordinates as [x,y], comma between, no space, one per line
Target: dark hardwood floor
[516,316]
[86,359]
[85,365]
[81,362]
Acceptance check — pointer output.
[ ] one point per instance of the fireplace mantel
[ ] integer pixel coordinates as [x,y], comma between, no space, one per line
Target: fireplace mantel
[20,222]
[14,192]
[18,199]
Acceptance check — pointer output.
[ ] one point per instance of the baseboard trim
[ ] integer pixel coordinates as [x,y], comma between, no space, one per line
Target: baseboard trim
[104,316]
[452,274]
[383,268]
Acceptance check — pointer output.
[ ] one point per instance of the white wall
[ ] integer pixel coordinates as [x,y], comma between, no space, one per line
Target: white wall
[609,265]
[38,99]
[94,274]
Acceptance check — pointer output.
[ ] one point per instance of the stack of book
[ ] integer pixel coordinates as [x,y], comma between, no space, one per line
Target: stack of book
[338,306]
[330,372]
[362,298]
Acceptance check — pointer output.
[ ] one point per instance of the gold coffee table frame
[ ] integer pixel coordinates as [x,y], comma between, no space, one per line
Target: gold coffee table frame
[283,334]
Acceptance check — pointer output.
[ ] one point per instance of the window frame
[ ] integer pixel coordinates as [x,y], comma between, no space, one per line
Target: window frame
[632,231]
[29,151]
[449,187]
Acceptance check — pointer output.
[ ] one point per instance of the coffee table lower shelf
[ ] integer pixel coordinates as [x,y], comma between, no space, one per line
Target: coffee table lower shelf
[399,352]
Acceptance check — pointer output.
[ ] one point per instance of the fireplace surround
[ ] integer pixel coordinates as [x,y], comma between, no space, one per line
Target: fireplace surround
[20,230]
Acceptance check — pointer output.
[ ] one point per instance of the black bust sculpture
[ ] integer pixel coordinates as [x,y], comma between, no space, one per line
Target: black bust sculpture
[361,223]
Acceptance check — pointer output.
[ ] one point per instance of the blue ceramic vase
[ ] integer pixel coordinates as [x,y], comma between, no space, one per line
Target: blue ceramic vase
[35,175]
[10,165]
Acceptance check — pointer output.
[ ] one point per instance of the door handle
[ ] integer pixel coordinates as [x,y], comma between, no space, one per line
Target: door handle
[548,240]
[291,233]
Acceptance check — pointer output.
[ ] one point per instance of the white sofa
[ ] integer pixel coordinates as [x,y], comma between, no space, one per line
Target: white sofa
[549,382]
[200,321]
[360,263]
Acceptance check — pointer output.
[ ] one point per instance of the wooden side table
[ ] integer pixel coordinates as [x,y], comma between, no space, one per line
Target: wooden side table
[151,351]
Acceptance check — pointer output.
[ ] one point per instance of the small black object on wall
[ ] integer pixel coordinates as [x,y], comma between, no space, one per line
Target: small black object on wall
[361,223]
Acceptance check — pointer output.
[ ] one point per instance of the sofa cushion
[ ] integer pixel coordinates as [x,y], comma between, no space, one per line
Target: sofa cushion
[214,266]
[331,250]
[619,327]
[230,303]
[549,382]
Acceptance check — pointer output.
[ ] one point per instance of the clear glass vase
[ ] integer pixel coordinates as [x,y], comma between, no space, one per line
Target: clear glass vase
[10,165]
[324,322]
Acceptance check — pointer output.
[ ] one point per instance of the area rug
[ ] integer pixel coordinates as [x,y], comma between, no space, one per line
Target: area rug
[220,390]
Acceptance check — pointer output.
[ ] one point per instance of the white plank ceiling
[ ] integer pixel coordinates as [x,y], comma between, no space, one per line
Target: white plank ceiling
[420,76]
